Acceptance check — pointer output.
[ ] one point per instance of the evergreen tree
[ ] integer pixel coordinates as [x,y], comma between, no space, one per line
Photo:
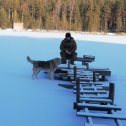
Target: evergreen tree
[3,19]
[85,15]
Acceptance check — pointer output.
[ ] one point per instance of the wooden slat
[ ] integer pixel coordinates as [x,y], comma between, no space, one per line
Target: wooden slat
[94,88]
[98,69]
[91,92]
[86,77]
[91,88]
[68,86]
[72,86]
[101,115]
[98,106]
[117,121]
[84,59]
[81,75]
[91,96]
[103,72]
[94,124]
[82,79]
[96,100]
[81,68]
[89,119]
[90,83]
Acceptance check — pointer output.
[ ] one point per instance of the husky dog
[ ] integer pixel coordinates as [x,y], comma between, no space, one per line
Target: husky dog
[48,66]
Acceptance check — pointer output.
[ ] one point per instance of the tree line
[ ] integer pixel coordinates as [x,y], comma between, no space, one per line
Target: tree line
[75,15]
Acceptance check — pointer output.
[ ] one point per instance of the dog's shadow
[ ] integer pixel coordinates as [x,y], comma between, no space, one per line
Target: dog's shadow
[42,75]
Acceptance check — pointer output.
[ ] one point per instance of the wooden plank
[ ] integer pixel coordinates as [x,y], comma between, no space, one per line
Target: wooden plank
[94,124]
[93,84]
[93,87]
[91,92]
[89,119]
[86,79]
[111,91]
[65,67]
[84,59]
[68,86]
[89,56]
[96,100]
[72,86]
[90,83]
[78,90]
[89,96]
[58,70]
[117,121]
[100,73]
[81,75]
[98,69]
[98,106]
[103,72]
[101,115]
[72,78]
[81,68]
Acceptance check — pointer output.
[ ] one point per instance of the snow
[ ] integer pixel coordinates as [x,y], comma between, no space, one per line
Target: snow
[27,102]
[98,37]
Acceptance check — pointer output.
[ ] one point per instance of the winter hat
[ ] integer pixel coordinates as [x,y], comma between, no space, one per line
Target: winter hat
[68,34]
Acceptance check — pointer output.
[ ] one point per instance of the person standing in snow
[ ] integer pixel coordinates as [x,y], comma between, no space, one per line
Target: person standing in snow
[68,47]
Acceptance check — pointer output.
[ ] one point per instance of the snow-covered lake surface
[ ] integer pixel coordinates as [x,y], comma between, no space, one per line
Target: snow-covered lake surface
[27,102]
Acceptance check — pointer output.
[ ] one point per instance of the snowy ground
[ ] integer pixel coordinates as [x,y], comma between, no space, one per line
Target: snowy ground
[27,102]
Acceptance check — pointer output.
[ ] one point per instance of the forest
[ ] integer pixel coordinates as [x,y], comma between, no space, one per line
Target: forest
[73,15]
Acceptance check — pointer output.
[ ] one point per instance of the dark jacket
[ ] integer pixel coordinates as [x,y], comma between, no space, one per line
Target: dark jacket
[68,44]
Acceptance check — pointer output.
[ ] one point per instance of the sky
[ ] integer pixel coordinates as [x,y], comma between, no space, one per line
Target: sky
[27,102]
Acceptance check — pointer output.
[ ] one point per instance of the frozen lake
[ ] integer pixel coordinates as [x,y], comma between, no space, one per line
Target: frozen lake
[27,102]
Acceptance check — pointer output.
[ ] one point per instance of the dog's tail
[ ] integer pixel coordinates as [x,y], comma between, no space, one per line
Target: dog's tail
[29,60]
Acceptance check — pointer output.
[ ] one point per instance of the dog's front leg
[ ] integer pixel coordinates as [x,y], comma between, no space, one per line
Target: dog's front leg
[52,75]
[34,76]
[51,72]
[49,75]
[35,73]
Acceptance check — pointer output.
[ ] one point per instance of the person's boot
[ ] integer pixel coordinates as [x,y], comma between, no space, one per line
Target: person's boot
[63,61]
[72,62]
